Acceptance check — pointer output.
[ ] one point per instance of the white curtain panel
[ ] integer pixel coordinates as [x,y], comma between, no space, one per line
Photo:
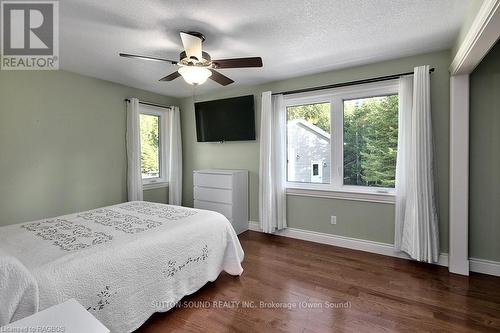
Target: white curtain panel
[174,157]
[416,225]
[134,176]
[272,196]
[402,165]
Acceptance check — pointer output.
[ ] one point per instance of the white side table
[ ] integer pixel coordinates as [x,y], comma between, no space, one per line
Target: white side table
[67,317]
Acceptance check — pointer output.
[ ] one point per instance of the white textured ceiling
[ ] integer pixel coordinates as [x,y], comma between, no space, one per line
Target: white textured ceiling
[294,38]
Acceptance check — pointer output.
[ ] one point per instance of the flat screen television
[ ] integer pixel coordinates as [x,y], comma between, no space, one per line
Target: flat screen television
[231,119]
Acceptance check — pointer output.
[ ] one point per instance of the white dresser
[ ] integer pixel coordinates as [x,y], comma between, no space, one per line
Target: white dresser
[223,191]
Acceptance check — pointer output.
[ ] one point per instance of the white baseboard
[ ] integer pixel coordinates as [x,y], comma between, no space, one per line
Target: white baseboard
[485,266]
[341,241]
[476,265]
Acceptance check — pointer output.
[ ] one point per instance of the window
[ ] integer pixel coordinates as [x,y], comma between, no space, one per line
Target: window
[370,141]
[152,154]
[343,139]
[308,137]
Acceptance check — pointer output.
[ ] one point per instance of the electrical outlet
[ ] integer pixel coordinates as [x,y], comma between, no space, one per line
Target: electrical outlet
[333,219]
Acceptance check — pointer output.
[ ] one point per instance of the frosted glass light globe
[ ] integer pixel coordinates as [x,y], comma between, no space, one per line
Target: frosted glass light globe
[195,75]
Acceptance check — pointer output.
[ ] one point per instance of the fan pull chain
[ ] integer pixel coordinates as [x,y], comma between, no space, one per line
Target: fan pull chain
[194,93]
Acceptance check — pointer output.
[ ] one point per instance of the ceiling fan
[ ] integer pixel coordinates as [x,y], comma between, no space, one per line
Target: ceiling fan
[196,65]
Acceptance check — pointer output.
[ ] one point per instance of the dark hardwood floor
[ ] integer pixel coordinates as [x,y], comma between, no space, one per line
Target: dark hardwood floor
[349,291]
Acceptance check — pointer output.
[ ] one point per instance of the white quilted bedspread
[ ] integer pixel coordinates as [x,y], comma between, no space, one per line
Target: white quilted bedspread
[123,263]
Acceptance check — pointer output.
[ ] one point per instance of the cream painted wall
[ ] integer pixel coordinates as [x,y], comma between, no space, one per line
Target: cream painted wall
[371,221]
[62,143]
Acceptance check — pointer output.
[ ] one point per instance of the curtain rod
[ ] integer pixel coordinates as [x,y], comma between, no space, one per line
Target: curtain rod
[350,83]
[149,103]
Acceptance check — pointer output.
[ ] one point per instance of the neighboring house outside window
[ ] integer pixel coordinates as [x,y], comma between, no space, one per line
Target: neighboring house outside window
[308,153]
[343,139]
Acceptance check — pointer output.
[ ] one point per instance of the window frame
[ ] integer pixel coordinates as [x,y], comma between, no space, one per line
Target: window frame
[336,98]
[150,183]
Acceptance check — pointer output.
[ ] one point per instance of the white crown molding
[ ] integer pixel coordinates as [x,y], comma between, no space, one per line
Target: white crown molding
[476,265]
[481,36]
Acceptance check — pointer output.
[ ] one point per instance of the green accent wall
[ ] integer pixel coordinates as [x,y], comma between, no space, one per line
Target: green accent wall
[62,143]
[484,214]
[364,220]
[156,195]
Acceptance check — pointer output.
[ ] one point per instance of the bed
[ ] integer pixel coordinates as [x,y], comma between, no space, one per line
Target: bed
[122,263]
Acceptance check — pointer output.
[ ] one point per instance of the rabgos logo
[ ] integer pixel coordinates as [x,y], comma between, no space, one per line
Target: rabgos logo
[30,35]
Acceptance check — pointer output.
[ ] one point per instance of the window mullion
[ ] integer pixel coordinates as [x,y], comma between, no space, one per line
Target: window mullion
[336,142]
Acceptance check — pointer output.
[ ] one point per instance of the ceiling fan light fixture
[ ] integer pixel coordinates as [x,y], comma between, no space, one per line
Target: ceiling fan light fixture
[194,75]
[196,65]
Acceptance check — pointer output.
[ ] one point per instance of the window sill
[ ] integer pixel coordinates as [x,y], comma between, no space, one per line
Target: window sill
[151,186]
[367,196]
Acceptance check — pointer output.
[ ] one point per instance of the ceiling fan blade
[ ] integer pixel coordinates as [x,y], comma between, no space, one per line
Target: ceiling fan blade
[219,78]
[127,55]
[170,77]
[192,45]
[238,62]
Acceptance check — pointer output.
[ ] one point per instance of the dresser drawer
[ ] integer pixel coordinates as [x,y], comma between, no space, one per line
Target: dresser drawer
[213,180]
[224,209]
[213,194]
